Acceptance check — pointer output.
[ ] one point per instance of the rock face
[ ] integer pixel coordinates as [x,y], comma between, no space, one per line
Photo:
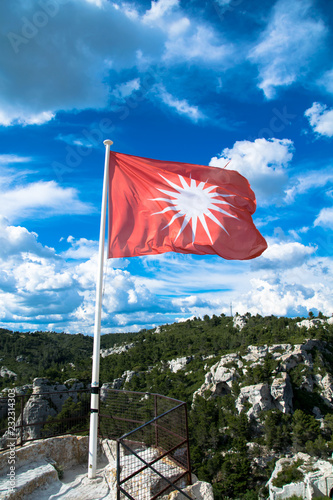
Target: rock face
[116,349]
[4,371]
[282,393]
[277,392]
[198,491]
[46,400]
[221,376]
[314,322]
[317,478]
[239,322]
[179,363]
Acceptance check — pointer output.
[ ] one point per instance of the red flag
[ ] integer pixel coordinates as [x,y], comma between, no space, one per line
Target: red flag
[161,206]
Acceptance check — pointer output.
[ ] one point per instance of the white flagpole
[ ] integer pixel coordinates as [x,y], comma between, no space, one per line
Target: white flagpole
[97,329]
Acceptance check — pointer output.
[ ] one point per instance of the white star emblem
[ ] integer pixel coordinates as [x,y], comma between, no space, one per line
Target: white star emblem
[194,202]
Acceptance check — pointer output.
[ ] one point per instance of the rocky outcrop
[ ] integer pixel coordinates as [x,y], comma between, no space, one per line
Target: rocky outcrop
[263,397]
[219,379]
[282,393]
[179,363]
[259,398]
[45,401]
[277,392]
[198,491]
[314,322]
[4,371]
[239,321]
[317,478]
[118,349]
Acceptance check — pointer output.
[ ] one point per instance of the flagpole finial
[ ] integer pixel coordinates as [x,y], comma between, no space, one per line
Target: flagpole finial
[107,142]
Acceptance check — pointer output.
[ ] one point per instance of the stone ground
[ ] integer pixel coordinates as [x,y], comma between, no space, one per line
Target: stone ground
[75,485]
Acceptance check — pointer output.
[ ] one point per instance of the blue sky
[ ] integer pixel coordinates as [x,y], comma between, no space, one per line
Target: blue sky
[195,81]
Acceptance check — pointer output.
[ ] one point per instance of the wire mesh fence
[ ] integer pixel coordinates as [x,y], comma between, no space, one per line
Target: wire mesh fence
[151,433]
[38,416]
[152,442]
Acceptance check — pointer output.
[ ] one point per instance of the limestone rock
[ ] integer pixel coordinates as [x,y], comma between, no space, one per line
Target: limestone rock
[256,352]
[239,322]
[117,349]
[309,323]
[317,480]
[198,491]
[282,393]
[128,375]
[258,396]
[74,384]
[5,371]
[104,391]
[117,383]
[220,377]
[326,384]
[179,363]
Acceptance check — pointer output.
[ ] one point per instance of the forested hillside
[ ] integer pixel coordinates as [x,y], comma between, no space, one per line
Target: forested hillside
[261,388]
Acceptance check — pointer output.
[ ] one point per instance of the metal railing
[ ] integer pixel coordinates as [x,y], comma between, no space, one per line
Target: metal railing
[151,432]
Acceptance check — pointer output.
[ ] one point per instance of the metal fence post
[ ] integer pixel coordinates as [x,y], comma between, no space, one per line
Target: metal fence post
[188,446]
[155,415]
[118,470]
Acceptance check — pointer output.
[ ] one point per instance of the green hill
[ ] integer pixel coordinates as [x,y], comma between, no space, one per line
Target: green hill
[253,402]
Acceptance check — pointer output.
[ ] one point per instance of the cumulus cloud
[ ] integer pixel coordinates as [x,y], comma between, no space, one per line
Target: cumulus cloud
[263,162]
[43,72]
[41,199]
[199,43]
[17,240]
[320,119]
[288,45]
[40,289]
[74,72]
[284,255]
[80,249]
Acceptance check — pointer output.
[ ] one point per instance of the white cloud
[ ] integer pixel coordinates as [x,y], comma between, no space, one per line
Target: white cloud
[321,119]
[80,249]
[326,81]
[9,159]
[126,89]
[15,240]
[325,218]
[283,255]
[75,140]
[304,183]
[42,290]
[181,106]
[10,115]
[158,10]
[263,163]
[201,43]
[41,199]
[43,72]
[288,45]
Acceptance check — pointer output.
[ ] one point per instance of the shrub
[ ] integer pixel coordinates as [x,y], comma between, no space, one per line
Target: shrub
[289,474]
